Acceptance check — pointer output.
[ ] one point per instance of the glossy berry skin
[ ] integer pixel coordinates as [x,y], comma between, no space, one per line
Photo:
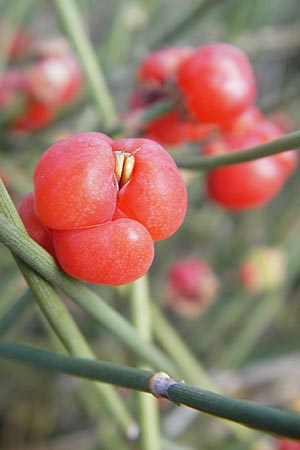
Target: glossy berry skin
[217,83]
[191,286]
[155,195]
[245,185]
[33,225]
[74,183]
[106,203]
[161,64]
[115,252]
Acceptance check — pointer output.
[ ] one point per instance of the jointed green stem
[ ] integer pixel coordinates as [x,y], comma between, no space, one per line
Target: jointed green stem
[63,324]
[260,417]
[148,407]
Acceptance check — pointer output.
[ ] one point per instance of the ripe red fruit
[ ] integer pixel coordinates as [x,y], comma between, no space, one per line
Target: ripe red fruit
[115,252]
[74,183]
[245,185]
[33,225]
[34,115]
[106,202]
[55,80]
[217,82]
[161,64]
[172,130]
[191,287]
[156,195]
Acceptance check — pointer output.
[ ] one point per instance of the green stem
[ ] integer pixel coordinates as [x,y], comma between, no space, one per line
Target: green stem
[148,406]
[135,121]
[262,314]
[190,367]
[72,21]
[16,312]
[178,350]
[251,414]
[60,320]
[36,257]
[287,142]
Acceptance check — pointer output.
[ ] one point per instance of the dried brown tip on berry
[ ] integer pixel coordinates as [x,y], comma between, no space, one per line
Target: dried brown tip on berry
[124,166]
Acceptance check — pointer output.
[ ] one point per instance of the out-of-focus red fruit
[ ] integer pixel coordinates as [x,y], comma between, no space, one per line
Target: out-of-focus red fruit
[286,444]
[263,269]
[161,64]
[12,89]
[191,286]
[55,80]
[245,121]
[217,83]
[36,115]
[172,130]
[245,185]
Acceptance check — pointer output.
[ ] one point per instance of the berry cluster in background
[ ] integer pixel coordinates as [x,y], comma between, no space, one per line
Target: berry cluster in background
[42,78]
[111,133]
[213,90]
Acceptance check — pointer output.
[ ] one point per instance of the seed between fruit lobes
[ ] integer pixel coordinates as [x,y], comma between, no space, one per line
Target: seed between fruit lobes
[124,166]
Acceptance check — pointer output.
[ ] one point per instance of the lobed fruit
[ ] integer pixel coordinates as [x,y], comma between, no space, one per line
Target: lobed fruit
[105,203]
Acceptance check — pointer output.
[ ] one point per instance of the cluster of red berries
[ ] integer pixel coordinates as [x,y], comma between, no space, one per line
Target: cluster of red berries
[33,93]
[99,205]
[213,89]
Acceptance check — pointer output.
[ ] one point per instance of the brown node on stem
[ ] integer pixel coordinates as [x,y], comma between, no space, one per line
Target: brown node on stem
[123,167]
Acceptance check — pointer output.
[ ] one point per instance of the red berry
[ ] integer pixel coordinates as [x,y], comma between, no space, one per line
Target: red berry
[245,185]
[55,80]
[243,122]
[155,195]
[74,183]
[217,82]
[172,130]
[159,65]
[34,116]
[269,131]
[191,286]
[105,202]
[286,444]
[112,253]
[33,225]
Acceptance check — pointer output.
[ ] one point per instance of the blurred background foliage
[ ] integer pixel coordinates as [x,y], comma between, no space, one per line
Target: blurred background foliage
[248,342]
